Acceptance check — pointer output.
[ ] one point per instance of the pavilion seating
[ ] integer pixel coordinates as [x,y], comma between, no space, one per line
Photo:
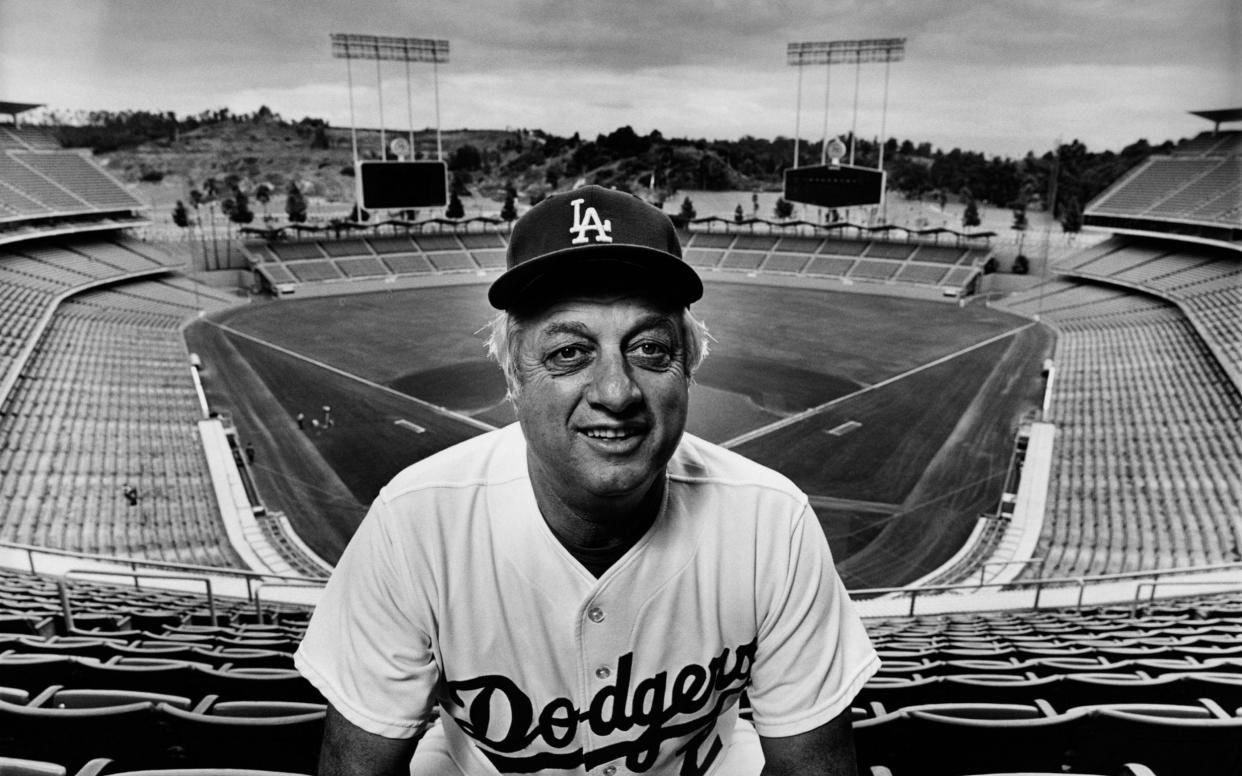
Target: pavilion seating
[437,242]
[705,259]
[406,264]
[451,261]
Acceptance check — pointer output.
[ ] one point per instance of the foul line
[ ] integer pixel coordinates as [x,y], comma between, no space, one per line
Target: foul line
[817,410]
[424,404]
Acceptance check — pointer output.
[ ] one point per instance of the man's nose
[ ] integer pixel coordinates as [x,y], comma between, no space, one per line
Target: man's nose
[612,386]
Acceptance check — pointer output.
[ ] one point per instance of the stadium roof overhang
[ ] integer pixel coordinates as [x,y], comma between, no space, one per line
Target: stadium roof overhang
[15,108]
[1219,116]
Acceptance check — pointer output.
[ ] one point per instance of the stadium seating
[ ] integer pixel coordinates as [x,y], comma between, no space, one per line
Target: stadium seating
[1061,690]
[82,421]
[43,183]
[1147,472]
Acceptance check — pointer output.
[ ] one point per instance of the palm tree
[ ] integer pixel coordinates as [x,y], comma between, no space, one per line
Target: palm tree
[263,193]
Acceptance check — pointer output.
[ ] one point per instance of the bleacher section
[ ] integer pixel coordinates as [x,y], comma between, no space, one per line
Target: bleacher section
[36,184]
[1147,469]
[106,400]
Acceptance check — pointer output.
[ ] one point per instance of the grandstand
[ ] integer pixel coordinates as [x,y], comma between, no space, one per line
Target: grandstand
[1143,487]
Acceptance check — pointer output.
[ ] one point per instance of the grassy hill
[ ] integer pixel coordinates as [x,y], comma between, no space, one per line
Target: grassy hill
[484,163]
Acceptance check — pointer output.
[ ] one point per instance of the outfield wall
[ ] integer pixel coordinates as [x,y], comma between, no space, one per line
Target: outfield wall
[836,284]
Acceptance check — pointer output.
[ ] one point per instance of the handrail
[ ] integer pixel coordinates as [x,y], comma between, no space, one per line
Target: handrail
[257,580]
[134,563]
[258,607]
[62,586]
[1039,585]
[1138,589]
[983,567]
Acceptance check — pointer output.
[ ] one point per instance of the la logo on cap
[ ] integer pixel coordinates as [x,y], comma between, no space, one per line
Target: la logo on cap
[588,222]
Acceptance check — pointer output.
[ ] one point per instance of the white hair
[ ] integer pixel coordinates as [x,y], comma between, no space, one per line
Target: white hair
[504,338]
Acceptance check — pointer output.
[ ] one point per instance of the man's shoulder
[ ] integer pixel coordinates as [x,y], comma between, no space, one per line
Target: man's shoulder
[698,461]
[492,457]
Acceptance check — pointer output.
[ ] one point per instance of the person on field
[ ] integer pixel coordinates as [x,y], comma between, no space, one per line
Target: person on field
[591,589]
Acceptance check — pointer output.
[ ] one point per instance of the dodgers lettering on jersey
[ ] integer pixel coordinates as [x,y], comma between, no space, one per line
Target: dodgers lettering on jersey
[503,721]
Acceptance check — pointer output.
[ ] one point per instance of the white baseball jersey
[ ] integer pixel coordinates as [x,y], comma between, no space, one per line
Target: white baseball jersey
[455,592]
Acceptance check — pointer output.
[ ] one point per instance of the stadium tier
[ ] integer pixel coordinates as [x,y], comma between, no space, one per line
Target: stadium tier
[106,401]
[56,183]
[1147,466]
[1205,282]
[1198,185]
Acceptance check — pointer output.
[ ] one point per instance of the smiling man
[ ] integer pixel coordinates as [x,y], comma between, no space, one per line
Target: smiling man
[590,590]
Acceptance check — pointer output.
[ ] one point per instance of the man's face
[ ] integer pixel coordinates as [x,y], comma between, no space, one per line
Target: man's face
[603,397]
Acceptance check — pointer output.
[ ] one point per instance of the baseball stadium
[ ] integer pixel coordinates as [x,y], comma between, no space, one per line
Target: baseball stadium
[1034,493]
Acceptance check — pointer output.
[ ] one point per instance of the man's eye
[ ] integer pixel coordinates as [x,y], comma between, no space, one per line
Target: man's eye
[568,355]
[652,353]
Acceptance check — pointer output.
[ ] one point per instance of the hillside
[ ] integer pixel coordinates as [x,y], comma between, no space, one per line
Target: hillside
[172,156]
[483,163]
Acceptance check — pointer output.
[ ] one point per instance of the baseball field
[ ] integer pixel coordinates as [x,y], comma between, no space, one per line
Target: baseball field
[897,416]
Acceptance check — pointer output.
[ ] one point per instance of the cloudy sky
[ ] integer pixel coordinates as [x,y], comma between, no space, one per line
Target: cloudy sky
[1003,77]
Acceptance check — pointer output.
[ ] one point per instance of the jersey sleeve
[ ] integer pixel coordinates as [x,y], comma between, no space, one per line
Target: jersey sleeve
[813,654]
[369,646]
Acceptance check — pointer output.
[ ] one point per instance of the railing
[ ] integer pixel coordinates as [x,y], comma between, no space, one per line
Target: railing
[63,586]
[983,567]
[137,568]
[1021,595]
[1037,589]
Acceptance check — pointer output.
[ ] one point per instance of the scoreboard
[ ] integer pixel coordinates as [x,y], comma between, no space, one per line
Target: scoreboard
[840,185]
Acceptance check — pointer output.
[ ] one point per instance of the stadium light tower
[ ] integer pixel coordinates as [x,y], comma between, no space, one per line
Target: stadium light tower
[380,48]
[837,52]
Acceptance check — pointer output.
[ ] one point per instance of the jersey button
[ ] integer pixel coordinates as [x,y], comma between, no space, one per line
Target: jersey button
[609,770]
[595,614]
[603,672]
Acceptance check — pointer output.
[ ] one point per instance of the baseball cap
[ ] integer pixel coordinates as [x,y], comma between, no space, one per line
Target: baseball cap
[593,232]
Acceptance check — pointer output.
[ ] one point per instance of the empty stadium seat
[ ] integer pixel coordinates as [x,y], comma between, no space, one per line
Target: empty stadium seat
[279,743]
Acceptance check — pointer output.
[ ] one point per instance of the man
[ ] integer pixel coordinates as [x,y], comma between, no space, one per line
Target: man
[589,590]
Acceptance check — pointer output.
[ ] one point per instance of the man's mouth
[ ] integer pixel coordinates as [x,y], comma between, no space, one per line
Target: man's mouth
[609,433]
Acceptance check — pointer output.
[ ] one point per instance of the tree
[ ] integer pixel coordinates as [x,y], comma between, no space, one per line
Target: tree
[509,211]
[295,204]
[242,214]
[737,214]
[1071,219]
[467,157]
[455,209]
[783,209]
[1019,222]
[970,216]
[263,193]
[687,209]
[180,216]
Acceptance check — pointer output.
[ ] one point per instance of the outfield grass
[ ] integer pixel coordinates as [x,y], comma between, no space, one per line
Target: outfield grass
[778,351]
